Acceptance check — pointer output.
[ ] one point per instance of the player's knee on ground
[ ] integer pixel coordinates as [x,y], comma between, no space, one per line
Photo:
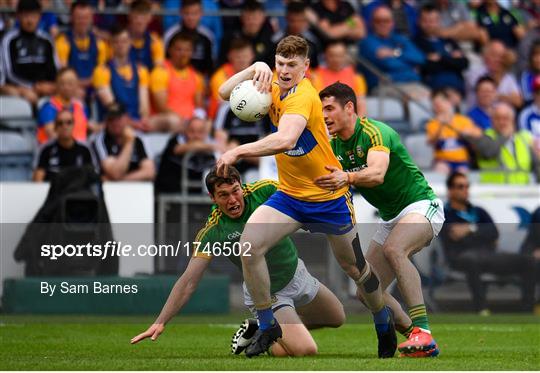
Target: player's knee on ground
[299,348]
[338,319]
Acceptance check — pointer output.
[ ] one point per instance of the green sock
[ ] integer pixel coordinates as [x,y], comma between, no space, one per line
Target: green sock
[419,317]
[405,331]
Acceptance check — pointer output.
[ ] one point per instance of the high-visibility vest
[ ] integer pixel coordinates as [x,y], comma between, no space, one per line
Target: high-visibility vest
[80,122]
[508,167]
[181,90]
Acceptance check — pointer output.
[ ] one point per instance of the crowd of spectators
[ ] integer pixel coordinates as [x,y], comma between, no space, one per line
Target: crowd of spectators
[132,70]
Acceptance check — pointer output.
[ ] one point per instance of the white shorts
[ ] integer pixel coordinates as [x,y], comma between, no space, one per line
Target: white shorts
[300,291]
[433,210]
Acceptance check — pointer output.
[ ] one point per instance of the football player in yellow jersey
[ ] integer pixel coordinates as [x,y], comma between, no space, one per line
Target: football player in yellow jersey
[300,143]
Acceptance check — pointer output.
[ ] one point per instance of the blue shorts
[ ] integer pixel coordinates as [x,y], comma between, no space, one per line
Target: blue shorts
[331,217]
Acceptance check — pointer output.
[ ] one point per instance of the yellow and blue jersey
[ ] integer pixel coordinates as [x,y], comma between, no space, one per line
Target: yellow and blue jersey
[297,168]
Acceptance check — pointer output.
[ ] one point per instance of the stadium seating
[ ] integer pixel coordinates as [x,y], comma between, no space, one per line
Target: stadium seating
[155,144]
[388,110]
[17,139]
[419,114]
[421,153]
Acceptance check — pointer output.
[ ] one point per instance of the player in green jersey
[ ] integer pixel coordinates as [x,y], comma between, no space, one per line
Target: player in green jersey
[300,301]
[376,163]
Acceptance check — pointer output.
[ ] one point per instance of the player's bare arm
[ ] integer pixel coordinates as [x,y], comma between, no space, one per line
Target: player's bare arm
[368,177]
[289,130]
[179,296]
[259,72]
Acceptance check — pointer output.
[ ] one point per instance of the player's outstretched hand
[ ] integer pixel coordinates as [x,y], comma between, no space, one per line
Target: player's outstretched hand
[262,77]
[334,180]
[227,159]
[152,332]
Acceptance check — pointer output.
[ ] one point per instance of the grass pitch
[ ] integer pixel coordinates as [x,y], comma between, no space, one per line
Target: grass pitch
[506,342]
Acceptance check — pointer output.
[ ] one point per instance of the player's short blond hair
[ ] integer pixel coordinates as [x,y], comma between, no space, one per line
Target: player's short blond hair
[292,46]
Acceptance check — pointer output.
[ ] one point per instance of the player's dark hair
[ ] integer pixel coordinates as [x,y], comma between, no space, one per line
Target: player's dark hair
[296,7]
[213,180]
[80,4]
[187,3]
[292,46]
[452,177]
[181,36]
[333,43]
[483,80]
[141,6]
[252,6]
[428,8]
[341,92]
[535,49]
[118,29]
[64,109]
[439,92]
[239,43]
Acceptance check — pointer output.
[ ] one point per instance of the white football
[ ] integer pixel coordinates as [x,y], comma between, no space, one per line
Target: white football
[249,104]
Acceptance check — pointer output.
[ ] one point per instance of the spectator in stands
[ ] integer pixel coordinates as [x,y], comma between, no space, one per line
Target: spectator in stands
[66,88]
[210,21]
[28,55]
[533,70]
[120,153]
[506,156]
[239,57]
[531,11]
[49,21]
[394,54]
[298,24]
[446,133]
[6,89]
[337,19]
[254,27]
[340,68]
[499,23]
[79,47]
[445,61]
[122,80]
[63,151]
[495,58]
[457,23]
[486,97]
[404,14]
[147,47]
[177,88]
[469,237]
[191,12]
[525,46]
[230,132]
[195,141]
[230,22]
[529,118]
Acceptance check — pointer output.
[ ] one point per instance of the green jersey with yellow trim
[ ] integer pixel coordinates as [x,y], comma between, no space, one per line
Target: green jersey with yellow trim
[403,183]
[221,235]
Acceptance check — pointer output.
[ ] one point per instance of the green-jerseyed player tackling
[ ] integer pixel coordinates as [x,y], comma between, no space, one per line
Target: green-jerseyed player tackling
[300,301]
[376,163]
